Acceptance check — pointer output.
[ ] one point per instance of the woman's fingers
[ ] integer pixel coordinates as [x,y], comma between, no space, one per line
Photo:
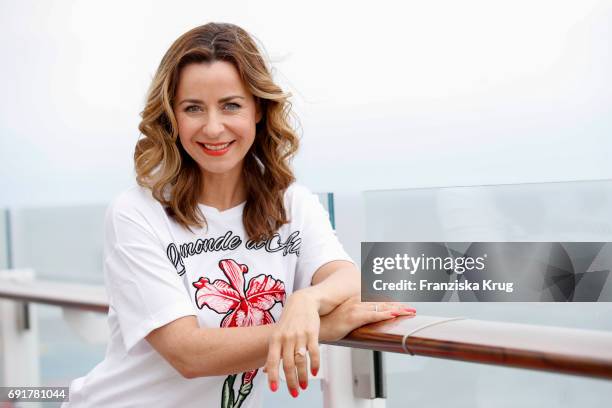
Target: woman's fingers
[314,354]
[404,308]
[295,352]
[377,312]
[271,368]
[389,306]
[301,362]
[289,365]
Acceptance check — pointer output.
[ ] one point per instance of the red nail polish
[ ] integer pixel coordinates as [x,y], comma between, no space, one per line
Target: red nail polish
[273,386]
[303,385]
[294,392]
[395,314]
[409,309]
[314,371]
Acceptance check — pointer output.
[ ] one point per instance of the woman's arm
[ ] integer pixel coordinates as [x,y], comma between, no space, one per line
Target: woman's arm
[199,352]
[332,284]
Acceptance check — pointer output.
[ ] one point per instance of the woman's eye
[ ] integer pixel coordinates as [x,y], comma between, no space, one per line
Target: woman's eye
[232,106]
[192,108]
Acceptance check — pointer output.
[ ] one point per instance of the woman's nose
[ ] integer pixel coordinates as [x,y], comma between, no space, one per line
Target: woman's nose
[214,126]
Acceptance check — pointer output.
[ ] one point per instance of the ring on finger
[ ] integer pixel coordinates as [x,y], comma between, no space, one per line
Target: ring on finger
[376,308]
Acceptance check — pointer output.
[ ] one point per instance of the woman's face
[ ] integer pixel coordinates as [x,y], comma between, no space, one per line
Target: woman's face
[216,116]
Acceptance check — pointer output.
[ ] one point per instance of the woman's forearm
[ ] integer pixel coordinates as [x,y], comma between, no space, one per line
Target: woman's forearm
[340,285]
[222,351]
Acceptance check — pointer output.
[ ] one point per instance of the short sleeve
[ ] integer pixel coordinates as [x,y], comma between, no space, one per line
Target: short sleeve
[319,244]
[144,288]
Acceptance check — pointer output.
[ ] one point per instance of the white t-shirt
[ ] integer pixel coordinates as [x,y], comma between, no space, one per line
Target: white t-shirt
[157,271]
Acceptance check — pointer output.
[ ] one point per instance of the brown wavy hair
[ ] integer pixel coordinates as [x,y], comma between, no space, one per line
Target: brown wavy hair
[174,178]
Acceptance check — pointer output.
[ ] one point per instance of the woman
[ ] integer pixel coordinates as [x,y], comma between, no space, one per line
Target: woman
[218,263]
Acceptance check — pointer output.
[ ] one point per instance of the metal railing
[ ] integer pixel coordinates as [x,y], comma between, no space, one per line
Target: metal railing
[556,349]
[65,294]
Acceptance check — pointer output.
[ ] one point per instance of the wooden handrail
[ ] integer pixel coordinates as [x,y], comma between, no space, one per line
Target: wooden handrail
[563,350]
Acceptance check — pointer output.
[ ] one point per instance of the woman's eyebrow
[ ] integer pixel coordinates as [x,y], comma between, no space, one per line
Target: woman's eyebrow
[225,99]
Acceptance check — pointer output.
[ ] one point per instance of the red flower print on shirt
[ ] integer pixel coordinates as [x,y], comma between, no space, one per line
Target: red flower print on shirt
[242,307]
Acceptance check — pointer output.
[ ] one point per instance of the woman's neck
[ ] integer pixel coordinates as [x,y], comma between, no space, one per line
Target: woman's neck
[223,191]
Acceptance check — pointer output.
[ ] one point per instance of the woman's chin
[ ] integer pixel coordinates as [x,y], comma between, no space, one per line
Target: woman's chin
[218,169]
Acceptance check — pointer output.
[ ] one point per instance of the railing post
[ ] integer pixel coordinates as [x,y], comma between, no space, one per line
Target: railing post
[19,359]
[368,374]
[351,379]
[340,376]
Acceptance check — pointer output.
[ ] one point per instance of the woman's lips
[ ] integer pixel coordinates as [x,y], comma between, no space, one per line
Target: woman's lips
[216,150]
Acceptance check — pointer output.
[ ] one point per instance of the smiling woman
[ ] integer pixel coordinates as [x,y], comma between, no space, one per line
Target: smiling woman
[216,116]
[218,264]
[212,88]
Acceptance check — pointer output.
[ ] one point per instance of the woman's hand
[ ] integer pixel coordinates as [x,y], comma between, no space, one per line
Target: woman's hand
[353,314]
[300,329]
[297,334]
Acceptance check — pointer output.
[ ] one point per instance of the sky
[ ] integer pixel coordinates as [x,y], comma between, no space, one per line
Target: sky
[390,95]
